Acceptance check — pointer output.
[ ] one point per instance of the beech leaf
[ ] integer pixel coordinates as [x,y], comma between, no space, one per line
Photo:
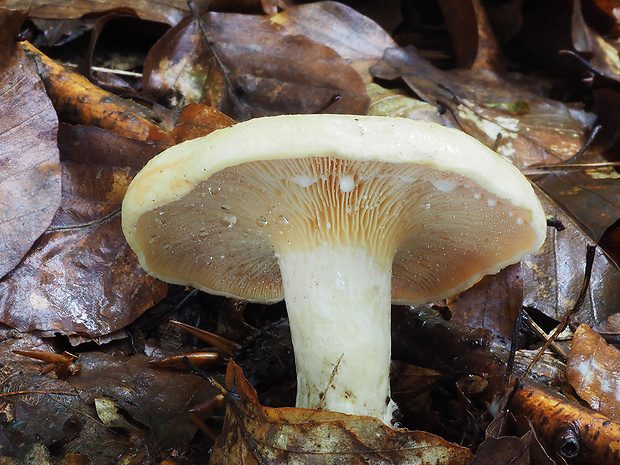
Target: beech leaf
[29,158]
[81,277]
[553,277]
[253,434]
[248,66]
[356,38]
[593,371]
[540,131]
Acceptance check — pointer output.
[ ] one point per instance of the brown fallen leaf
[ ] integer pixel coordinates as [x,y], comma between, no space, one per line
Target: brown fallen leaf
[493,303]
[553,277]
[522,126]
[29,158]
[511,441]
[591,196]
[480,50]
[253,434]
[593,369]
[197,120]
[248,66]
[169,11]
[81,276]
[357,39]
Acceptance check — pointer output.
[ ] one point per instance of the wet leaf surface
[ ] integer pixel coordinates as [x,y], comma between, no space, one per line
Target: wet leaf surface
[84,244]
[248,66]
[554,276]
[592,369]
[29,158]
[255,434]
[522,126]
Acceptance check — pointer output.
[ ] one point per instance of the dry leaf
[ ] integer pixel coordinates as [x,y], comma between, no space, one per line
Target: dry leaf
[593,369]
[493,303]
[29,159]
[592,196]
[256,435]
[398,102]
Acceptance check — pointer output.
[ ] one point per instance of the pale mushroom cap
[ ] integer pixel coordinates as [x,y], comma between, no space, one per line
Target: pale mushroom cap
[215,212]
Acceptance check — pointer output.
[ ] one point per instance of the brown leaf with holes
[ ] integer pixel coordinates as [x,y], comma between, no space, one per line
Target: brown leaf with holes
[29,159]
[593,369]
[248,66]
[253,434]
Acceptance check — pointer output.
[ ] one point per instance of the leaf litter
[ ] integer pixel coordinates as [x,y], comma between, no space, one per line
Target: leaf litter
[358,68]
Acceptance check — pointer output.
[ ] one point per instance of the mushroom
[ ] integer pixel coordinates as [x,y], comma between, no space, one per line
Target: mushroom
[340,215]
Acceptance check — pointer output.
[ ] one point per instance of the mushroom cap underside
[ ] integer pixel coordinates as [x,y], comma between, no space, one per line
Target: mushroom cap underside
[215,213]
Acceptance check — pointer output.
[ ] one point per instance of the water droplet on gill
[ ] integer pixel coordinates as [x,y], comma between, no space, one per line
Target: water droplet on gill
[214,190]
[491,202]
[153,239]
[261,221]
[166,246]
[427,206]
[202,232]
[443,185]
[520,221]
[228,219]
[283,220]
[347,183]
[477,196]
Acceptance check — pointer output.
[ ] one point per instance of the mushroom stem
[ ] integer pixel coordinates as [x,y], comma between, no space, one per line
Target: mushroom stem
[338,300]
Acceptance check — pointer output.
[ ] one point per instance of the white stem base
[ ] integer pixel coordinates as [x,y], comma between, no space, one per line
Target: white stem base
[338,301]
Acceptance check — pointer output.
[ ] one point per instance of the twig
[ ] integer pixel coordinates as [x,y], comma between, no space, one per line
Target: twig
[591,249]
[231,398]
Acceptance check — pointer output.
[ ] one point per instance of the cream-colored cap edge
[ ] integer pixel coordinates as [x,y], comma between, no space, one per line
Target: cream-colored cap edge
[174,173]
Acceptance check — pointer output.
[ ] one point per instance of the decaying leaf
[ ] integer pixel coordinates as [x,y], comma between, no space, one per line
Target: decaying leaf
[29,158]
[81,276]
[511,441]
[169,11]
[397,102]
[553,277]
[253,434]
[493,303]
[78,101]
[248,66]
[520,125]
[586,191]
[356,38]
[593,369]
